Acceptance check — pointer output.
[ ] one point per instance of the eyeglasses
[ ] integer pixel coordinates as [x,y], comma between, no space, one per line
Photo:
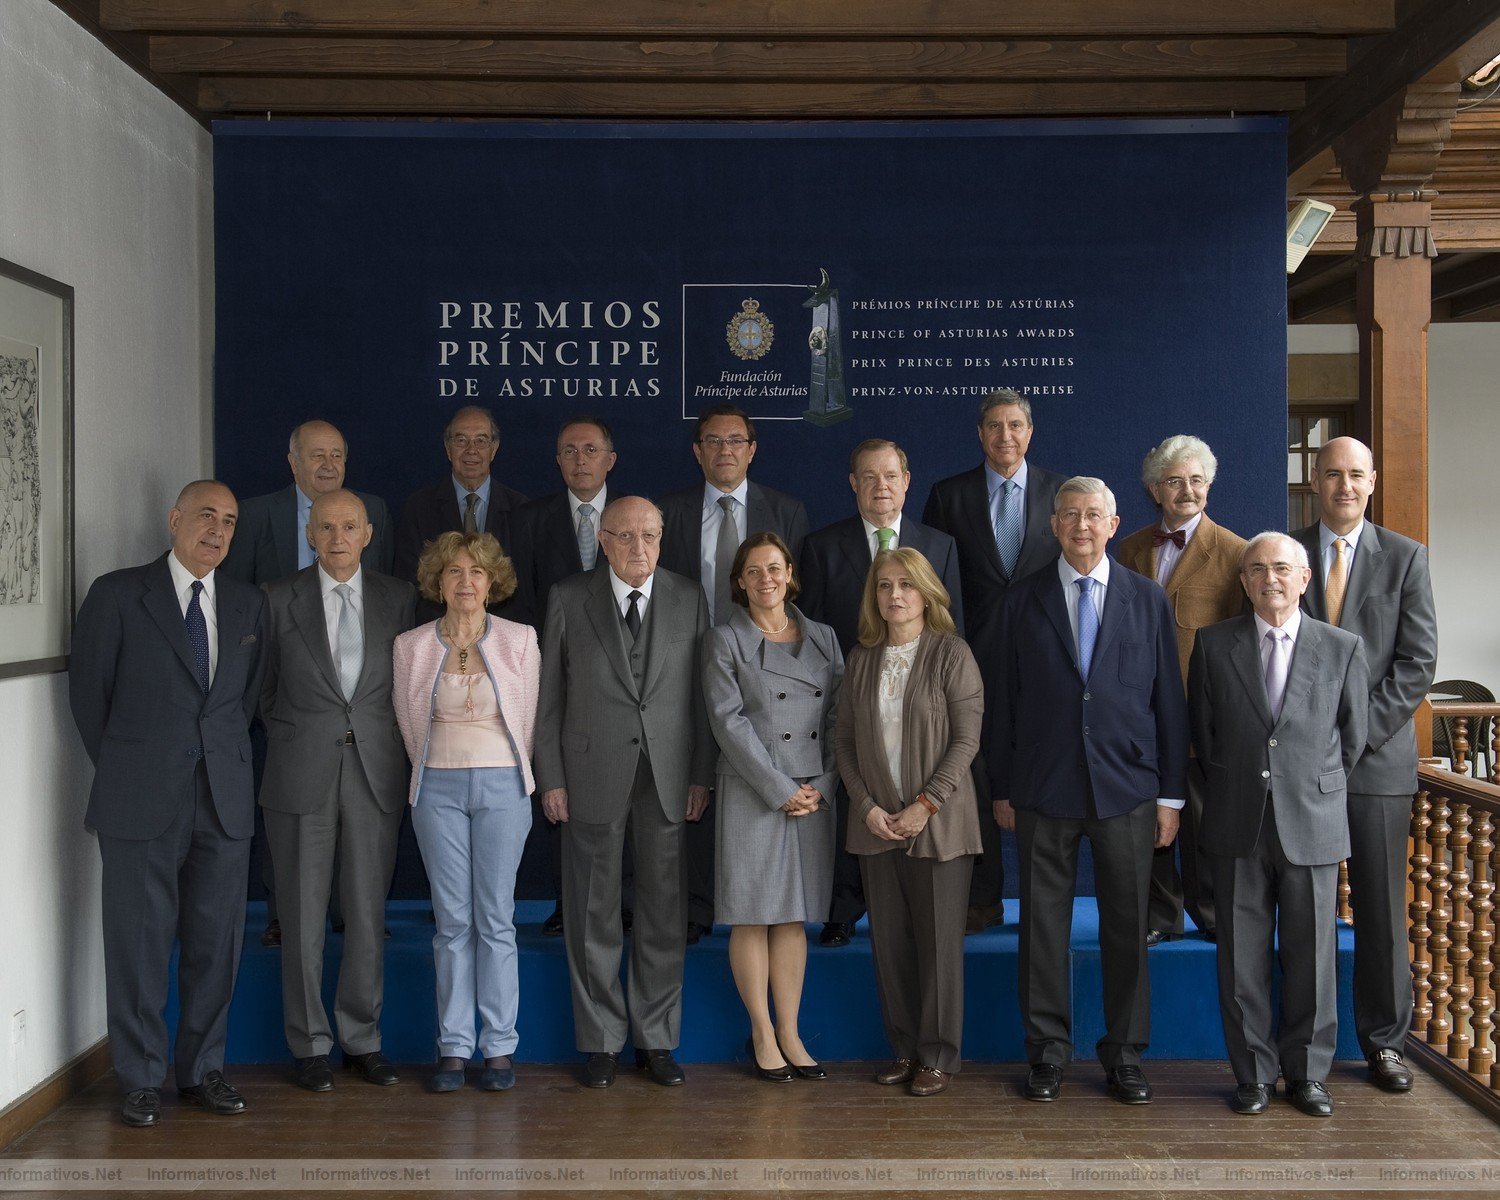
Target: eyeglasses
[572,453]
[1093,518]
[713,441]
[627,538]
[1282,570]
[483,442]
[1196,482]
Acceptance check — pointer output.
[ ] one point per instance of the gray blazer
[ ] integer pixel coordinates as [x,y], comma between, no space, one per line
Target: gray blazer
[594,718]
[1301,761]
[773,722]
[303,707]
[1388,603]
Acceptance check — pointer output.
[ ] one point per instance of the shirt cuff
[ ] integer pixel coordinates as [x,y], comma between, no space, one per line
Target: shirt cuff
[1165,802]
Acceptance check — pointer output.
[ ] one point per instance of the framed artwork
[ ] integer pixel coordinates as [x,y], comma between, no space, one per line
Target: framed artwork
[36,472]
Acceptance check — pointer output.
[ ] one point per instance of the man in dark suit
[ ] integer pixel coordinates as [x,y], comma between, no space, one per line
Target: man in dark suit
[335,779]
[1278,709]
[1375,583]
[467,498]
[999,514]
[165,674]
[1088,738]
[552,538]
[1197,562]
[835,561]
[623,745]
[702,528]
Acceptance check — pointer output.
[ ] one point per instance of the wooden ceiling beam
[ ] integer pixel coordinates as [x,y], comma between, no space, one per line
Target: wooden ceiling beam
[1479,271]
[1474,302]
[539,58]
[759,18]
[388,97]
[1338,294]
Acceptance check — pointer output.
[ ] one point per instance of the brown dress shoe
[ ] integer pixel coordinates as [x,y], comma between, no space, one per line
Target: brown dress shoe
[899,1071]
[928,1081]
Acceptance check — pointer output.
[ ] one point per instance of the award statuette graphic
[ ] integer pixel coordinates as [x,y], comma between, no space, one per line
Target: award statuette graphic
[826,400]
[750,332]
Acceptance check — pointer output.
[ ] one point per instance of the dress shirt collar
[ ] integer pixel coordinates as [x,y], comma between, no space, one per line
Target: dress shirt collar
[1187,530]
[597,503]
[1293,624]
[1326,536]
[182,582]
[356,583]
[622,591]
[1100,574]
[711,494]
[462,493]
[870,530]
[994,480]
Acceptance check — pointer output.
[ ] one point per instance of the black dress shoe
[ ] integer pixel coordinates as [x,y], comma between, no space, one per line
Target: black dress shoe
[1155,937]
[781,1074]
[214,1095]
[1388,1071]
[374,1067]
[836,933]
[141,1107]
[695,931]
[627,920]
[314,1073]
[270,936]
[1251,1099]
[599,1070]
[661,1066]
[553,925]
[1128,1084]
[1311,1097]
[1210,935]
[1043,1082]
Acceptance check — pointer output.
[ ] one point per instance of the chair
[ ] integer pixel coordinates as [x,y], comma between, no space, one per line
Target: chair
[1480,728]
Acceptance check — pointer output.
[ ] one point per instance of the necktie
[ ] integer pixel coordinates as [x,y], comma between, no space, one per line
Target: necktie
[633,615]
[471,504]
[1276,664]
[588,541]
[1008,526]
[197,631]
[351,647]
[1159,537]
[724,551]
[885,537]
[1088,624]
[1337,583]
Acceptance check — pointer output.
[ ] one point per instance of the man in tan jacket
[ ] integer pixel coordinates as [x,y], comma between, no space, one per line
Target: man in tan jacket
[1198,563]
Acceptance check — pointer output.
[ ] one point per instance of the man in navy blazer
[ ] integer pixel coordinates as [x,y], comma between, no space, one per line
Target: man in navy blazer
[1088,738]
[1005,495]
[695,542]
[164,677]
[835,561]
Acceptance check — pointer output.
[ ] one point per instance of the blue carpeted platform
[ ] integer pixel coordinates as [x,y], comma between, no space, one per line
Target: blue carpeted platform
[840,1014]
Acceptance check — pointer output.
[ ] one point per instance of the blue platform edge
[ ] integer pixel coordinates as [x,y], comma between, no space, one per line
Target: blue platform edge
[840,1017]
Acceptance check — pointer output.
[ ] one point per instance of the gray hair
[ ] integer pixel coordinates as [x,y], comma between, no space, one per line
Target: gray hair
[477,411]
[1086,485]
[294,443]
[1299,551]
[1004,398]
[1174,449]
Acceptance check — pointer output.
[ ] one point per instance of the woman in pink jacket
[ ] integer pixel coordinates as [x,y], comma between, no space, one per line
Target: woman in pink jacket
[466,692]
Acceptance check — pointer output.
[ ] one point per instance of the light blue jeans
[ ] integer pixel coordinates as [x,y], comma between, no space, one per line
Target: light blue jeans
[471,823]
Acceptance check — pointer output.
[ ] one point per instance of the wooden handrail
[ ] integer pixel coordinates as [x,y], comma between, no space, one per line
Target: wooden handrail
[1463,708]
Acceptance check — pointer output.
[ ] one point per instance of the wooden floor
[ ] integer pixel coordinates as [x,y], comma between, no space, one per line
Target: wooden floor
[723,1118]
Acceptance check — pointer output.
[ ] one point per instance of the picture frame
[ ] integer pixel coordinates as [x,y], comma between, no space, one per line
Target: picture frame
[36,472]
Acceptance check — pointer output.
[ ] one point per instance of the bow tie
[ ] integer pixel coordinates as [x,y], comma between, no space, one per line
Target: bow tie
[1160,537]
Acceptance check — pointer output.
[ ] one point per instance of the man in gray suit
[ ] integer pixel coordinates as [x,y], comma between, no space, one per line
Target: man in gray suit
[335,780]
[1376,584]
[622,743]
[1278,703]
[164,676]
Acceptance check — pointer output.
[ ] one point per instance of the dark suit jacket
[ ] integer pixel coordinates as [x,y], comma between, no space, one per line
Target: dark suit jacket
[303,706]
[836,560]
[1388,603]
[434,510]
[765,509]
[544,548]
[1300,760]
[267,537]
[145,722]
[1122,732]
[960,507]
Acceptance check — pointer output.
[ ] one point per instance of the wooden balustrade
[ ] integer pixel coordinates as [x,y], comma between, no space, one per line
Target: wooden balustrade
[1461,719]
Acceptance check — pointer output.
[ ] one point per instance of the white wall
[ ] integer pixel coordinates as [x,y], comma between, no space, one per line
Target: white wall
[105,185]
[1463,490]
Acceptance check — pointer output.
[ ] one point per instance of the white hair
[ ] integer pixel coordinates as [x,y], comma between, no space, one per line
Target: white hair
[1174,449]
[1299,551]
[1086,485]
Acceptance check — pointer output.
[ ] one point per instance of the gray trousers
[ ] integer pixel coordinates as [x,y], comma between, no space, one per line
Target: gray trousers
[1122,849]
[1378,830]
[348,824]
[917,912]
[1261,897]
[1193,887]
[602,1015]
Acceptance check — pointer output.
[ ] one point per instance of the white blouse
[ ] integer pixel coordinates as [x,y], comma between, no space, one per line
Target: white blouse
[895,670]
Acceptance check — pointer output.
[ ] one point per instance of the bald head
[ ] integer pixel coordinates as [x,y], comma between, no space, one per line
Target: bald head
[202,524]
[1344,475]
[317,456]
[630,536]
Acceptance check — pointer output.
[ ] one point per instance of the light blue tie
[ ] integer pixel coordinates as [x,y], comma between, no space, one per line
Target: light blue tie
[588,541]
[1088,625]
[351,647]
[1008,526]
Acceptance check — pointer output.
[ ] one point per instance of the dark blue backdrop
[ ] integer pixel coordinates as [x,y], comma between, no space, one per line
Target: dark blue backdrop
[1157,245]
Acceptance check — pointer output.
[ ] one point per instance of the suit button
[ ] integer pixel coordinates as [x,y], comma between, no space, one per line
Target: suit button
[643,708]
[818,692]
[781,695]
[786,737]
[1087,696]
[1265,774]
[814,735]
[635,741]
[1085,731]
[348,710]
[1272,742]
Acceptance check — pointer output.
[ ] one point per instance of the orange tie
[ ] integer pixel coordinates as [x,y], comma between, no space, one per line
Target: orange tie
[1338,582]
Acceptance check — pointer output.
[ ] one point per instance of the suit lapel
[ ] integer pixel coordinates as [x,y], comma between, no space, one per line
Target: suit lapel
[1366,565]
[1194,557]
[855,551]
[1313,601]
[161,602]
[379,617]
[562,533]
[976,500]
[233,618]
[1117,597]
[1050,596]
[1302,671]
[1244,653]
[285,535]
[608,627]
[1038,528]
[757,511]
[755,647]
[306,611]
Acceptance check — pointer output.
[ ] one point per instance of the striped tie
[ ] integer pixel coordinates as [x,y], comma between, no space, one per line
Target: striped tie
[1008,526]
[588,540]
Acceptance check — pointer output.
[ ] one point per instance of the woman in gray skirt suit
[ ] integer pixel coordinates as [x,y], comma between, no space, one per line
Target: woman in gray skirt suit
[770,680]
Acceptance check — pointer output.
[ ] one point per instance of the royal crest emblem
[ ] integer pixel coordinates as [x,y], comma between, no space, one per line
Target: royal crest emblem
[750,332]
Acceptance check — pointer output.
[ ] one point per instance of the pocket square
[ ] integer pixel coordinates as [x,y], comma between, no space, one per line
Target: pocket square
[247,640]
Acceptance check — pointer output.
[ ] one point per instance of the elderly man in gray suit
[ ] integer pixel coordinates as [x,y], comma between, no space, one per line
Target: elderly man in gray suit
[622,744]
[335,780]
[1376,584]
[1278,705]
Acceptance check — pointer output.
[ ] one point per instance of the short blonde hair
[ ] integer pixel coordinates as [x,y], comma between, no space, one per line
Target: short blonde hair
[872,626]
[439,553]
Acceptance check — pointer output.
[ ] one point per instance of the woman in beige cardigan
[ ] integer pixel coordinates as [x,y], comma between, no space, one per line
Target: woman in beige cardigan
[908,728]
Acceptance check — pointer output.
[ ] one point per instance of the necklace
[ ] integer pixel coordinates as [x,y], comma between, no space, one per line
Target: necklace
[461,647]
[786,619]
